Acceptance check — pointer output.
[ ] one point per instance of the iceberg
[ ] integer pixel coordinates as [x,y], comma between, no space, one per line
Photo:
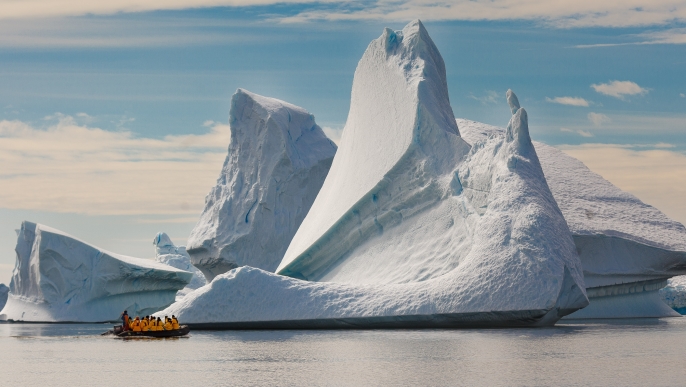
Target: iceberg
[277,161]
[628,249]
[169,254]
[674,294]
[59,278]
[413,227]
[3,295]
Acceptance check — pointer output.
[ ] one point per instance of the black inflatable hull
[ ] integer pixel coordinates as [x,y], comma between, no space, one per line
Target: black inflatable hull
[182,331]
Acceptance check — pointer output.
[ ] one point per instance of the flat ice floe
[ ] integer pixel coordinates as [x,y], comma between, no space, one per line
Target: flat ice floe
[276,163]
[169,254]
[412,227]
[60,278]
[628,249]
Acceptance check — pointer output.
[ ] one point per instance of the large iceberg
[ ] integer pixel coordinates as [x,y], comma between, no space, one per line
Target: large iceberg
[277,161]
[60,278]
[4,290]
[412,227]
[628,249]
[169,254]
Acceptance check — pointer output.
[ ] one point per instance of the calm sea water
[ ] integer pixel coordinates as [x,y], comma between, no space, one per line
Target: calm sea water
[644,352]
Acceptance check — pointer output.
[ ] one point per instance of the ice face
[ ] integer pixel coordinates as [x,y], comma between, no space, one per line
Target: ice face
[4,290]
[622,242]
[412,227]
[60,278]
[674,294]
[169,254]
[277,161]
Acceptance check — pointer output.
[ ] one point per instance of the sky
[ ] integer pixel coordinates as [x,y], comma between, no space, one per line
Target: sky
[113,115]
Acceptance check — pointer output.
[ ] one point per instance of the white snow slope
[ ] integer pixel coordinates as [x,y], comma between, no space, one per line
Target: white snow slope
[3,295]
[625,245]
[277,161]
[167,253]
[60,278]
[412,227]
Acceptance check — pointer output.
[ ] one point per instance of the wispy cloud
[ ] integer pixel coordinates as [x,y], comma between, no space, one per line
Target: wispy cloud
[682,95]
[656,176]
[563,13]
[71,167]
[580,132]
[619,89]
[598,119]
[668,36]
[490,97]
[571,101]
[334,134]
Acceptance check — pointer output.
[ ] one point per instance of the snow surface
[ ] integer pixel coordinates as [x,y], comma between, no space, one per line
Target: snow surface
[674,294]
[167,253]
[60,278]
[3,295]
[411,224]
[619,238]
[277,161]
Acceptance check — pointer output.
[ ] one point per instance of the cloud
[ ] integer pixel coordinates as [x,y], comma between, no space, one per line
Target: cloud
[682,95]
[598,119]
[619,89]
[563,13]
[333,134]
[571,101]
[491,97]
[656,176]
[668,36]
[580,132]
[70,167]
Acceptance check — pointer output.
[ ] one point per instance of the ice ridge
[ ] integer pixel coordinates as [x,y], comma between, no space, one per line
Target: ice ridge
[60,278]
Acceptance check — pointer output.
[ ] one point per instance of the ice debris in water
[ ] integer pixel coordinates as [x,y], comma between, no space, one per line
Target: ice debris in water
[276,163]
[60,278]
[411,226]
[169,254]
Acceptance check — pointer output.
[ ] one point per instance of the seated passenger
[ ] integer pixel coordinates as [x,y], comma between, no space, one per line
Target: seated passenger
[136,324]
[167,324]
[175,322]
[152,325]
[160,326]
[144,324]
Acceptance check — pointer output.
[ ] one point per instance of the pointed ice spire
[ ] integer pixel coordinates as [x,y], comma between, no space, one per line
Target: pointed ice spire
[512,101]
[518,128]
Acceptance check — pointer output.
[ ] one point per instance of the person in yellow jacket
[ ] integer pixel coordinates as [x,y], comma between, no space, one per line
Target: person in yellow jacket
[167,324]
[136,326]
[152,325]
[160,326]
[175,322]
[144,324]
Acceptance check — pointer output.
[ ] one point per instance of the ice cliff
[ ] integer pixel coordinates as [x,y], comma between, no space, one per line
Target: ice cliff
[674,294]
[60,278]
[277,161]
[167,253]
[3,295]
[412,226]
[628,249]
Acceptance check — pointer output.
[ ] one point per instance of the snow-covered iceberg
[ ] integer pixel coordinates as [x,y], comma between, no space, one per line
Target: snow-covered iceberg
[60,278]
[412,227]
[4,290]
[628,249]
[169,254]
[277,161]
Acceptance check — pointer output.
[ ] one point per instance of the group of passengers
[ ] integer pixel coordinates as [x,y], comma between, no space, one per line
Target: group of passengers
[149,323]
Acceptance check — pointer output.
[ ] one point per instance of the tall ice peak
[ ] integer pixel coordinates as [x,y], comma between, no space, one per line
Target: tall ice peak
[276,163]
[518,128]
[512,101]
